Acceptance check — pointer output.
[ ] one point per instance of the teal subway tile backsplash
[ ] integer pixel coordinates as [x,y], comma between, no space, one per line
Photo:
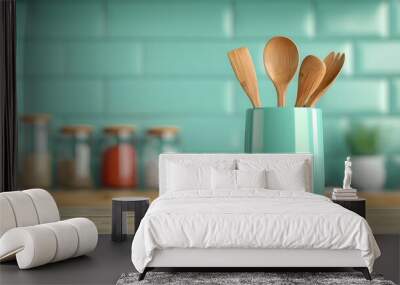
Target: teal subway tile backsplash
[165,62]
[63,19]
[379,57]
[169,97]
[102,58]
[42,58]
[395,16]
[266,90]
[334,170]
[352,18]
[20,60]
[226,133]
[64,97]
[266,18]
[169,18]
[186,58]
[21,8]
[335,131]
[353,96]
[194,58]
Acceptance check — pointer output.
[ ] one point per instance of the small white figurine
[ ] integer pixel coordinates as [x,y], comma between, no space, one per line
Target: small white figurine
[347,174]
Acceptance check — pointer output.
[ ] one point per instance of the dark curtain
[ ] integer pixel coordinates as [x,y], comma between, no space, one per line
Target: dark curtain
[8,98]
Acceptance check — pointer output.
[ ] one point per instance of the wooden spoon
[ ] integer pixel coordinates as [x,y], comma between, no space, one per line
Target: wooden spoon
[281,59]
[243,66]
[312,71]
[334,63]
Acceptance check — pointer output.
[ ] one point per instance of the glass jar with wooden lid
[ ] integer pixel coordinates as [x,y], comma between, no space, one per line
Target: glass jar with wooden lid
[35,156]
[159,139]
[119,162]
[74,157]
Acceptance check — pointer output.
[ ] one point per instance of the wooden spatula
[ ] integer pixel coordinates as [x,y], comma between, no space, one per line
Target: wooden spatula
[312,70]
[281,59]
[334,63]
[243,67]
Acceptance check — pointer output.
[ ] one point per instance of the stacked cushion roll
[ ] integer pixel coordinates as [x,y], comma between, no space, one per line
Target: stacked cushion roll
[31,230]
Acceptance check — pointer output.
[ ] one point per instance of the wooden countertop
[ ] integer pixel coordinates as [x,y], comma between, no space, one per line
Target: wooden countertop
[383,208]
[381,199]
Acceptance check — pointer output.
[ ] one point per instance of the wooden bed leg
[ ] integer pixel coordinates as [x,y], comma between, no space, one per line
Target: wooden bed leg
[143,274]
[364,271]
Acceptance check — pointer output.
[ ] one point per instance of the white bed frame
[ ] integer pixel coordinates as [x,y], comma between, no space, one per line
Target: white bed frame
[250,258]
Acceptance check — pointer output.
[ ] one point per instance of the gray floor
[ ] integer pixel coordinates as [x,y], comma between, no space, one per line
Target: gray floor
[110,260]
[103,266]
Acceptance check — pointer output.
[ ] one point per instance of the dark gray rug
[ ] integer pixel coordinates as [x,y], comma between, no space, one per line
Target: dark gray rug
[269,278]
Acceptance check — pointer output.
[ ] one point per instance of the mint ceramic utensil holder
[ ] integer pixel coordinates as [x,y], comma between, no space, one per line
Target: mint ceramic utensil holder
[288,130]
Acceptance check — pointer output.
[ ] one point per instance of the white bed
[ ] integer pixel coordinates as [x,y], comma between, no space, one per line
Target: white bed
[207,226]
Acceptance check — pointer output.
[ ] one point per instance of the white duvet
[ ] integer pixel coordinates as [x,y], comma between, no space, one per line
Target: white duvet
[250,219]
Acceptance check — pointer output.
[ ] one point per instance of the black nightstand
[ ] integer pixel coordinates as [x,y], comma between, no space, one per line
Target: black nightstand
[357,206]
[120,206]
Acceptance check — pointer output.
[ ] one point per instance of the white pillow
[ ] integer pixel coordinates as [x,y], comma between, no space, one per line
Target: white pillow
[292,175]
[251,178]
[223,179]
[292,180]
[188,177]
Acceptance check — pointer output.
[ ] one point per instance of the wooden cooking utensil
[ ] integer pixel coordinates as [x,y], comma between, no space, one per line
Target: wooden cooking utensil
[312,70]
[334,63]
[243,66]
[281,59]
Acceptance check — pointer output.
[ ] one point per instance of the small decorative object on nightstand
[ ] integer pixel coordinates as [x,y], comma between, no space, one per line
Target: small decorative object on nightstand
[347,174]
[356,205]
[347,192]
[120,207]
[347,196]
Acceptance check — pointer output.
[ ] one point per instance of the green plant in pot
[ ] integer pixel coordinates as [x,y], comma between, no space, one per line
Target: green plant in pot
[368,165]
